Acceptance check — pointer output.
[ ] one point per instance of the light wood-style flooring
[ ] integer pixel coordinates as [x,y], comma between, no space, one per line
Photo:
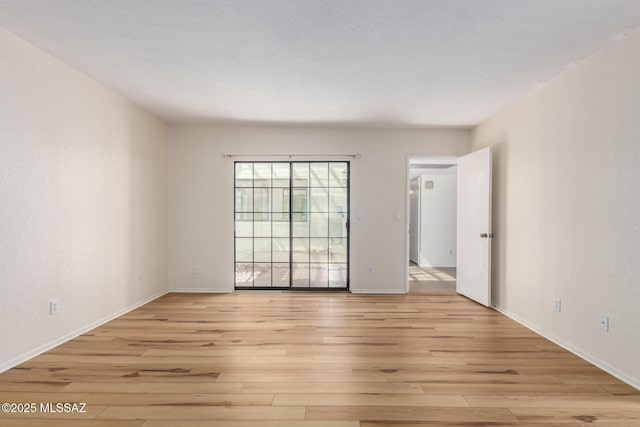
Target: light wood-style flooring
[316,360]
[432,280]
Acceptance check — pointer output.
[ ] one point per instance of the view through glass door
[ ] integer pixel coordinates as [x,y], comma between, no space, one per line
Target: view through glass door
[292,225]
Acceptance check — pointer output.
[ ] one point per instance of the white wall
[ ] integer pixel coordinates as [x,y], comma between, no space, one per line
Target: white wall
[83,206]
[201,195]
[438,221]
[567,207]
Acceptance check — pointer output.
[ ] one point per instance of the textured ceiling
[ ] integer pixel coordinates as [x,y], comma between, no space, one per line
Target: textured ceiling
[353,62]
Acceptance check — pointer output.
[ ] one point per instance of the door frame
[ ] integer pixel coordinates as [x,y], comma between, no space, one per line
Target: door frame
[434,159]
[418,220]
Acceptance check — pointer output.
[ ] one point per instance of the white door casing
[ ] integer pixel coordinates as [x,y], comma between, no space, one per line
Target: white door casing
[414,220]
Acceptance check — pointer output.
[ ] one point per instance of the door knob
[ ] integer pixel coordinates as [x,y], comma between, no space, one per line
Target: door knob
[484,235]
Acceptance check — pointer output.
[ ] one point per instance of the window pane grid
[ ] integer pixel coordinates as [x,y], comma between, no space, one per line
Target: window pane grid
[273,201]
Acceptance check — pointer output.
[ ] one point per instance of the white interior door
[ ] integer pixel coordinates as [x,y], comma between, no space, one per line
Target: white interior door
[414,220]
[474,226]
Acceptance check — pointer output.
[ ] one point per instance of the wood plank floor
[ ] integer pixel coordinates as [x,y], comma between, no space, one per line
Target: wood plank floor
[432,280]
[316,360]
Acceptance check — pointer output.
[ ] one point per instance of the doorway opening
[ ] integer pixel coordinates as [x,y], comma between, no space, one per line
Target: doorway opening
[432,225]
[291,225]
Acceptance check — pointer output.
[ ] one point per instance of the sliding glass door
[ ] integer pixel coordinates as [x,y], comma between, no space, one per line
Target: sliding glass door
[292,225]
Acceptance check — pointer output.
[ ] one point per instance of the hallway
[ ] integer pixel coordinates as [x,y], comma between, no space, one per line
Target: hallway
[432,281]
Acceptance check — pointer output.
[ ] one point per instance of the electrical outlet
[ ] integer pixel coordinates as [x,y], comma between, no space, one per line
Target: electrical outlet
[604,323]
[557,305]
[196,269]
[370,269]
[53,307]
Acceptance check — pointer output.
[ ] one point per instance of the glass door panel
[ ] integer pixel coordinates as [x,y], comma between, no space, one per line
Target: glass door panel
[300,172]
[291,225]
[300,275]
[280,275]
[338,275]
[300,250]
[319,174]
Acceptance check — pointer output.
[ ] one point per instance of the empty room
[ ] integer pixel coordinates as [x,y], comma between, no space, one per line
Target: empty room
[319,213]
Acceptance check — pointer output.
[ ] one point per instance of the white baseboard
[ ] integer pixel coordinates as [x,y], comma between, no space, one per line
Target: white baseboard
[378,291]
[223,291]
[436,266]
[201,290]
[71,335]
[633,382]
